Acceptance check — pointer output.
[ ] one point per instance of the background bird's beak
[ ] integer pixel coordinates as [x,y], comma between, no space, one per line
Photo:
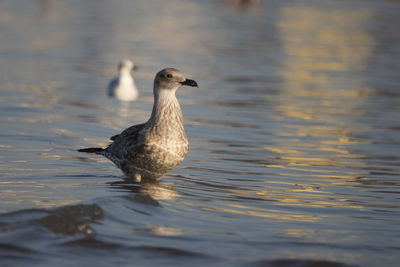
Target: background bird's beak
[191,83]
[135,68]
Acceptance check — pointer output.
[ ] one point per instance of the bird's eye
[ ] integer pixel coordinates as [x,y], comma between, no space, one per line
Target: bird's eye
[169,75]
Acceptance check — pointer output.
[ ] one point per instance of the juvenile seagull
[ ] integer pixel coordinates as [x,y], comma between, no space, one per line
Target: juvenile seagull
[148,151]
[123,87]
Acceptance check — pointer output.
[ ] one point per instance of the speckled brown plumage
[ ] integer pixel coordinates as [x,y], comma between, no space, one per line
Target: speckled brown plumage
[152,149]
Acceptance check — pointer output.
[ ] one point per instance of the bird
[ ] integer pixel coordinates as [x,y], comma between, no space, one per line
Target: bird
[123,87]
[148,151]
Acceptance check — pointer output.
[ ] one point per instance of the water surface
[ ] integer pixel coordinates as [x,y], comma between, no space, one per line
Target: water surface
[294,133]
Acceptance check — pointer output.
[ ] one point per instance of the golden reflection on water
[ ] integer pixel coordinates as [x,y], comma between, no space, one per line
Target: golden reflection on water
[317,41]
[276,214]
[323,48]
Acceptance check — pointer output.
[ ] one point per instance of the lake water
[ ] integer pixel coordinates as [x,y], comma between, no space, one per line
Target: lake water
[294,133]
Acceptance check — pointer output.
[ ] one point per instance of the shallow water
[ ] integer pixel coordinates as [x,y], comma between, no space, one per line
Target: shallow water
[294,133]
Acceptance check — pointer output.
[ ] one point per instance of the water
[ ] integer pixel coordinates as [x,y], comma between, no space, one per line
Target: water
[294,133]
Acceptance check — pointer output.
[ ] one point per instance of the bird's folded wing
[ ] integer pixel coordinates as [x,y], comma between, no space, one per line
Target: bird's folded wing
[130,132]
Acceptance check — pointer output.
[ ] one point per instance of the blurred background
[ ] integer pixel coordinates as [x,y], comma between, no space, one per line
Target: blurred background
[294,133]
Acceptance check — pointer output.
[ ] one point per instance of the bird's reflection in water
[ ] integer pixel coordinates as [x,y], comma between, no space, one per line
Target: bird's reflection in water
[124,109]
[146,192]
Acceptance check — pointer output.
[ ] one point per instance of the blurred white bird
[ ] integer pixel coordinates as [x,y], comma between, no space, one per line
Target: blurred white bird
[123,87]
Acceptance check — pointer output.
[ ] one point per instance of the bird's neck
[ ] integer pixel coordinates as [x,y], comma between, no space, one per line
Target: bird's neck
[166,112]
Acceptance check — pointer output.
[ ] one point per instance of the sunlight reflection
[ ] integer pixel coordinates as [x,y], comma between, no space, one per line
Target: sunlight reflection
[325,52]
[323,91]
[269,213]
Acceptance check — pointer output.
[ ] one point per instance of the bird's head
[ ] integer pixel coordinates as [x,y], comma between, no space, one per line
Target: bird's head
[171,79]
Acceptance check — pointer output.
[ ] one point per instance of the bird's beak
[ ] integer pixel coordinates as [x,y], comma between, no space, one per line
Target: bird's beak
[191,83]
[135,68]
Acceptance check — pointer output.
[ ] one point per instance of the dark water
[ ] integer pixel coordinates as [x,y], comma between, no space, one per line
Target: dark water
[294,133]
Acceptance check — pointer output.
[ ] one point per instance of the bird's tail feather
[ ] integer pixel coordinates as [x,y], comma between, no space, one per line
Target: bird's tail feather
[96,150]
